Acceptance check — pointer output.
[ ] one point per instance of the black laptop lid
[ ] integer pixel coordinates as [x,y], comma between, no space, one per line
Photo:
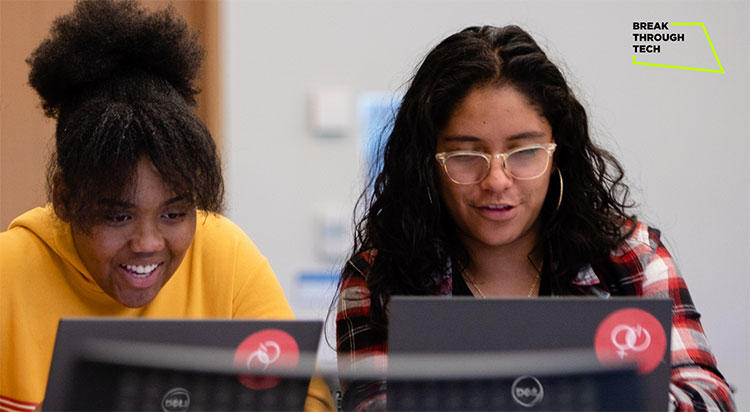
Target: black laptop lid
[180,365]
[608,344]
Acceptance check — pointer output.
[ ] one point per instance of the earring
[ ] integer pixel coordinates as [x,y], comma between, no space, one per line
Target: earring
[559,199]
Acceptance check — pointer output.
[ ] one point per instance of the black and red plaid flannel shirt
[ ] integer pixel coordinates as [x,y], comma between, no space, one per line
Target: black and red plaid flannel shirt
[641,266]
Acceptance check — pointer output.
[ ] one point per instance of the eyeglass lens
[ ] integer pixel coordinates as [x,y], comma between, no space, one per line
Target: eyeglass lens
[472,168]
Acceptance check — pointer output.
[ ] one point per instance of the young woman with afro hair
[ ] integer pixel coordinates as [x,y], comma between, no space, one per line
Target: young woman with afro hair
[133,229]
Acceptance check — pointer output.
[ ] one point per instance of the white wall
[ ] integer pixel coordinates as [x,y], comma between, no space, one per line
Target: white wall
[682,136]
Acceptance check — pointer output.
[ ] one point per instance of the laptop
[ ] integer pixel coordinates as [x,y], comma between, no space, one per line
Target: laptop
[576,353]
[110,364]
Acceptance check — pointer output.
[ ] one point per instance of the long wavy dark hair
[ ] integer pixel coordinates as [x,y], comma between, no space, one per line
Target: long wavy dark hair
[119,79]
[404,219]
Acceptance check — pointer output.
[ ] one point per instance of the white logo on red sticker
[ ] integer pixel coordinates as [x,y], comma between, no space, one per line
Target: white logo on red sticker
[266,350]
[631,336]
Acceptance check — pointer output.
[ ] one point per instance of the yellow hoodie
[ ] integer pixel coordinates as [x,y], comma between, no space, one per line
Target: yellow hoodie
[42,279]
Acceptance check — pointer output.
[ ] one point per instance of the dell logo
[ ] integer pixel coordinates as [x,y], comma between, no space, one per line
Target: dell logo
[176,400]
[527,391]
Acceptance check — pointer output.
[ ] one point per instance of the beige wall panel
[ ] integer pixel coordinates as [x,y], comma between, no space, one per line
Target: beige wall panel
[26,135]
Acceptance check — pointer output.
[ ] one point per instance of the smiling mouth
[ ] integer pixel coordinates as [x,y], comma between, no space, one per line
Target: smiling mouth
[140,271]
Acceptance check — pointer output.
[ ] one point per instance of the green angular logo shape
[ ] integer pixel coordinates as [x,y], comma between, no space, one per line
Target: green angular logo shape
[697,69]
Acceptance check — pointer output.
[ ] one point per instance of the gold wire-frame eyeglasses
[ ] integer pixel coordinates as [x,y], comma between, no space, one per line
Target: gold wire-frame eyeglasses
[522,163]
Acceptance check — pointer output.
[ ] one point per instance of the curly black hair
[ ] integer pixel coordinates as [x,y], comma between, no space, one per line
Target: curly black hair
[119,80]
[405,220]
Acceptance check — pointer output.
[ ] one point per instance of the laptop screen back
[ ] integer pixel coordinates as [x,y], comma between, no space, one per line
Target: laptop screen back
[179,365]
[581,353]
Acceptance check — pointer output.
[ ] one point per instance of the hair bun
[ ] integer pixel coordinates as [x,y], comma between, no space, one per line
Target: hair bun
[103,40]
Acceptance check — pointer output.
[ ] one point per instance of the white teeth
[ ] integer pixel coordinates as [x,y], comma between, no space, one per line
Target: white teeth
[140,269]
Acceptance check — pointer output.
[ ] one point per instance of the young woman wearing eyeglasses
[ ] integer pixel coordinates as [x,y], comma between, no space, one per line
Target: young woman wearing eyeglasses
[492,187]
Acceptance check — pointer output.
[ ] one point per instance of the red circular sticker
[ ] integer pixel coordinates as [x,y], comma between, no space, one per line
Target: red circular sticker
[266,350]
[631,336]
